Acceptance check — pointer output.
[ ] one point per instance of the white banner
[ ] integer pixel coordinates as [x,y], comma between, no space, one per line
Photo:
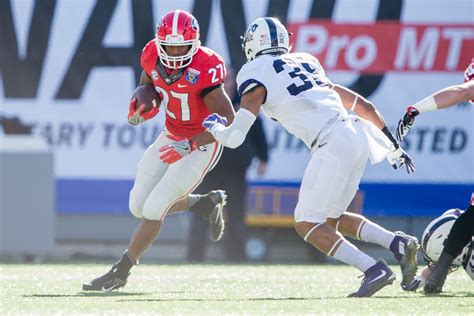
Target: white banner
[78,100]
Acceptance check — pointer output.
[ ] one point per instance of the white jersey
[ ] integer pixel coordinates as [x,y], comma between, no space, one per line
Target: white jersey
[298,93]
[300,99]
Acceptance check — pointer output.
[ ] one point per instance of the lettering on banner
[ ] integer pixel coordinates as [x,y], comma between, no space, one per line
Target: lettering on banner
[437,140]
[77,135]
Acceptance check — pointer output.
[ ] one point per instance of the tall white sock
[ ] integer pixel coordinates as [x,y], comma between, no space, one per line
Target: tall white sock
[376,234]
[349,254]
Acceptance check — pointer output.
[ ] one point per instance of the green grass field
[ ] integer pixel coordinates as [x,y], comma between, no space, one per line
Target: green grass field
[218,289]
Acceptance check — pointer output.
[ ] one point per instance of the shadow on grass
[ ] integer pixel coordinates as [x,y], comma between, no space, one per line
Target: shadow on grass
[89,294]
[233,299]
[441,295]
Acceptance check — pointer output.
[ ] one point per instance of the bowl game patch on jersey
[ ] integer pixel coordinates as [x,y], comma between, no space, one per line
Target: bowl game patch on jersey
[192,75]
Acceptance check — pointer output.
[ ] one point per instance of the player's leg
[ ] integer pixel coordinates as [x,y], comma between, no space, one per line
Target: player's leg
[459,236]
[209,206]
[174,185]
[180,179]
[403,247]
[150,170]
[323,184]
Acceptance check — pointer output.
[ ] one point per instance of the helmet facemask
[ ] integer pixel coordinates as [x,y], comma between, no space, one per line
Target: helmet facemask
[176,62]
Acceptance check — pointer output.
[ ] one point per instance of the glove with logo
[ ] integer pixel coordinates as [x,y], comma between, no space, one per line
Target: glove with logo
[177,149]
[398,158]
[213,121]
[469,73]
[136,116]
[406,122]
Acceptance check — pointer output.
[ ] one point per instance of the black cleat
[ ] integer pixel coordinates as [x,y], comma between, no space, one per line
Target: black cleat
[105,283]
[216,216]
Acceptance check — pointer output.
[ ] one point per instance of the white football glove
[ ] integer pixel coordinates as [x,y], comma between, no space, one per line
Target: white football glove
[398,158]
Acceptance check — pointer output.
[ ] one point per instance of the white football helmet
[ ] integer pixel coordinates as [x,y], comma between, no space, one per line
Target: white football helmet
[265,36]
[435,235]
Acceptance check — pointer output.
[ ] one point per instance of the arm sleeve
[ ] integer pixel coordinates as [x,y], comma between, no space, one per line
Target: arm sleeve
[259,140]
[234,135]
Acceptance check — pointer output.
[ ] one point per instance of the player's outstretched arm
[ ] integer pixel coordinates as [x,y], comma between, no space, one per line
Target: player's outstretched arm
[365,109]
[439,100]
[234,135]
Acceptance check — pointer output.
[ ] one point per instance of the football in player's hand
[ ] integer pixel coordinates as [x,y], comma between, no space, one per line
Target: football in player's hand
[146,94]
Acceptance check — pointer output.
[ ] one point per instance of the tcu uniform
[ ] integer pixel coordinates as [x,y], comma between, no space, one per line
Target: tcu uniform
[159,185]
[292,88]
[300,99]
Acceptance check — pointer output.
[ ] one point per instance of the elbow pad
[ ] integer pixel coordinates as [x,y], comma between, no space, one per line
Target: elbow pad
[234,135]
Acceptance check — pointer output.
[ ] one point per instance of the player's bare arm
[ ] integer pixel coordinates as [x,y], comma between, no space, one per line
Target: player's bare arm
[439,100]
[360,105]
[253,100]
[455,94]
[217,101]
[365,109]
[145,79]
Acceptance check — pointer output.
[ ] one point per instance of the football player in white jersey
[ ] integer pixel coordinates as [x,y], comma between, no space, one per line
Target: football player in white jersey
[292,88]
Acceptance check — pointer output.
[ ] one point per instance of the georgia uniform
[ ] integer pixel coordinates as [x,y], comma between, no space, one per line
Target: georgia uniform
[159,185]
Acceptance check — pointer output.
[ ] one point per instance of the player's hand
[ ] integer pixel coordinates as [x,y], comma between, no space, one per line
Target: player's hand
[136,116]
[469,73]
[406,122]
[213,121]
[414,285]
[398,158]
[179,148]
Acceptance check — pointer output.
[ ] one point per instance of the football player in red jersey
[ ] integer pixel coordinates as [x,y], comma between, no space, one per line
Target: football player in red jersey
[189,79]
[463,229]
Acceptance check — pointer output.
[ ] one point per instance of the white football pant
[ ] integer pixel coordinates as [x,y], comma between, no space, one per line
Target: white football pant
[333,174]
[159,185]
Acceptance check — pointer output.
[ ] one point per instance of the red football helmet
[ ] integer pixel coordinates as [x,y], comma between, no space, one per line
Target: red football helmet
[177,28]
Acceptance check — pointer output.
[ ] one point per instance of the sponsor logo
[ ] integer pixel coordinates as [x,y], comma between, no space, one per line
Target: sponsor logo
[182,85]
[382,274]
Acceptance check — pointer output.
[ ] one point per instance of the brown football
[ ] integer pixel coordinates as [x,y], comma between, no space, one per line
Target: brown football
[146,94]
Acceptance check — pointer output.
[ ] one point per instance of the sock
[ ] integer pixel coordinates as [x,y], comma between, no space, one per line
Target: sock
[371,232]
[201,204]
[349,254]
[124,265]
[193,199]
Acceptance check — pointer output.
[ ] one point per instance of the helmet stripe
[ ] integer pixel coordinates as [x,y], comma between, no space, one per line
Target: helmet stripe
[273,32]
[432,230]
[174,29]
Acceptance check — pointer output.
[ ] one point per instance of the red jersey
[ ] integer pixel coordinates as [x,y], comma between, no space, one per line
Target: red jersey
[182,91]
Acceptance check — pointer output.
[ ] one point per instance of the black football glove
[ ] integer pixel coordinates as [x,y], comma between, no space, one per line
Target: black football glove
[406,122]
